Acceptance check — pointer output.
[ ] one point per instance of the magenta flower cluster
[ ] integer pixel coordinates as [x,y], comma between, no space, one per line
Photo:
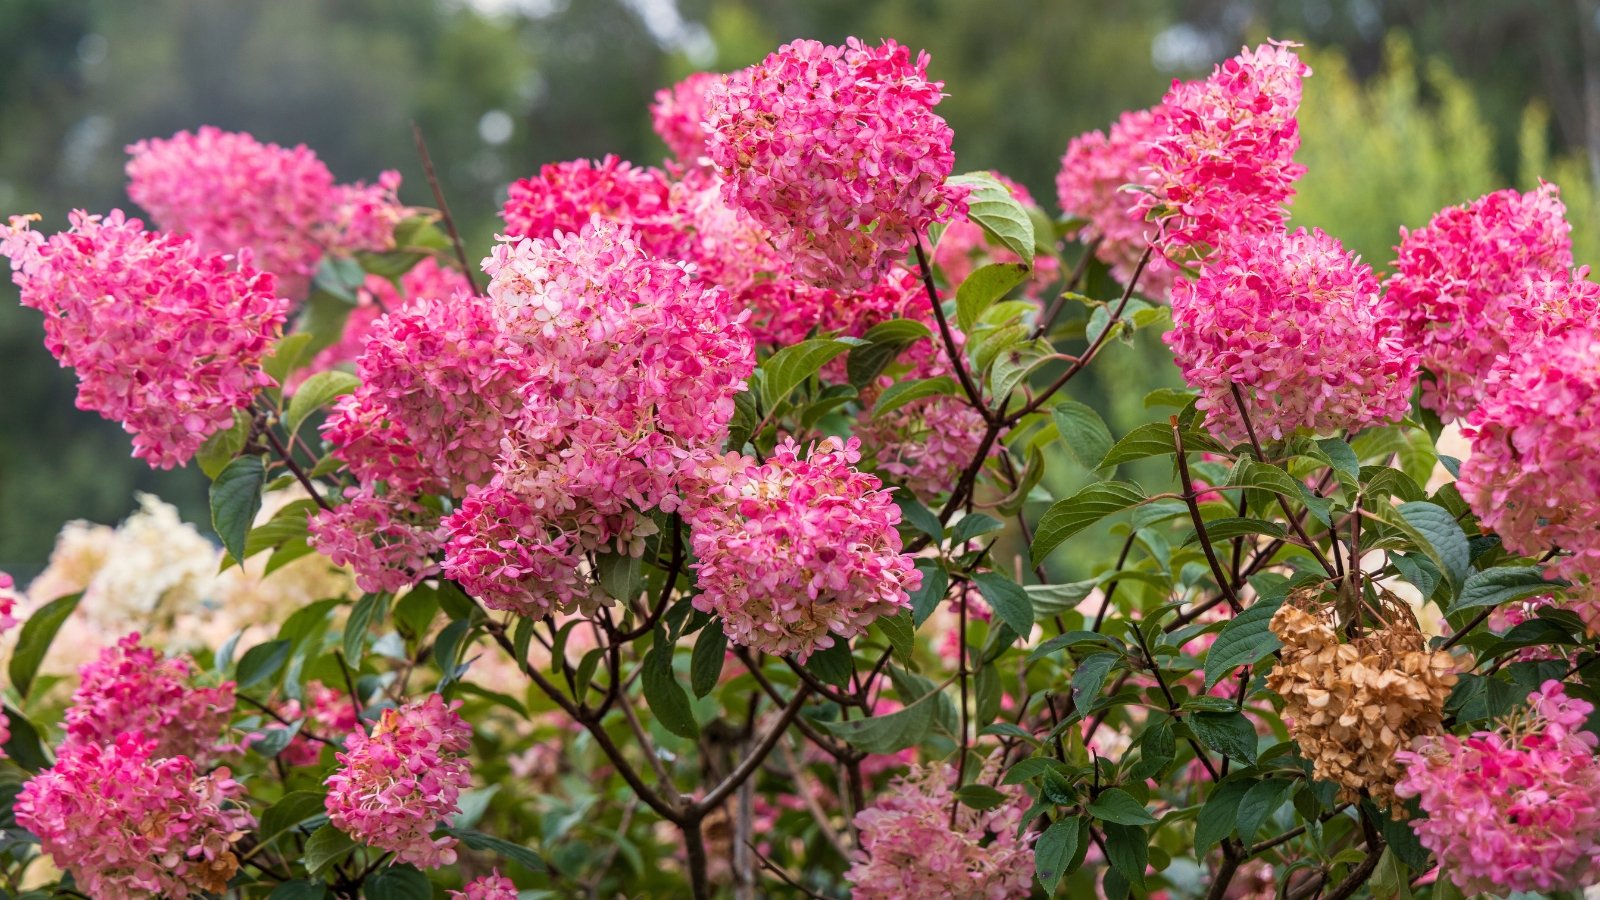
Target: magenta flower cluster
[564,196]
[911,848]
[395,787]
[679,115]
[165,338]
[230,192]
[493,886]
[1293,322]
[1516,809]
[837,152]
[796,553]
[132,689]
[129,823]
[1458,279]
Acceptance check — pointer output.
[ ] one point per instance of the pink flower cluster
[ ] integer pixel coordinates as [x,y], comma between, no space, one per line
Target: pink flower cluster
[130,689]
[1516,809]
[794,553]
[909,848]
[1225,162]
[426,280]
[130,824]
[564,196]
[393,788]
[493,886]
[1090,186]
[632,369]
[387,539]
[679,115]
[837,152]
[327,712]
[165,338]
[1530,476]
[1458,279]
[9,598]
[1295,322]
[230,192]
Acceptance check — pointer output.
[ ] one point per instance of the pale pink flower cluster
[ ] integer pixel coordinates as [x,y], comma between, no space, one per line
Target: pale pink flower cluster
[796,552]
[493,886]
[632,368]
[131,689]
[679,116]
[964,246]
[1095,171]
[1457,279]
[1225,162]
[394,788]
[9,598]
[1517,809]
[564,196]
[231,192]
[130,824]
[388,540]
[724,245]
[837,152]
[165,338]
[327,712]
[909,848]
[1295,322]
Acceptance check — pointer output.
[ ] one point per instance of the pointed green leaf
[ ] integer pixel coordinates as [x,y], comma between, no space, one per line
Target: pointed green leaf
[1068,517]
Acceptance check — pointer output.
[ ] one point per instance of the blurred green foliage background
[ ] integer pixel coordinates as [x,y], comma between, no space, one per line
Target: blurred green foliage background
[1413,105]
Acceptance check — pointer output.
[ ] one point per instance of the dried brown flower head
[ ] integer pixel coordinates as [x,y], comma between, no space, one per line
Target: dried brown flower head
[1352,703]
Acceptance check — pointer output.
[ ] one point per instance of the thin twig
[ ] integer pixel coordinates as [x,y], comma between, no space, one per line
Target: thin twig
[444,208]
[956,362]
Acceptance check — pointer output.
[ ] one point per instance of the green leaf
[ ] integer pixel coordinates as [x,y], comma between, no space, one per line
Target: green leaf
[1502,585]
[397,882]
[1252,473]
[785,370]
[889,733]
[221,447]
[299,889]
[973,525]
[1342,457]
[1219,814]
[1053,854]
[487,843]
[1008,600]
[1090,677]
[900,393]
[664,694]
[1150,439]
[993,207]
[292,809]
[326,846]
[982,288]
[1117,805]
[1128,851]
[621,575]
[34,640]
[980,796]
[1228,733]
[1083,431]
[1066,518]
[1438,535]
[831,665]
[1244,640]
[235,500]
[315,393]
[899,631]
[935,582]
[916,515]
[286,355]
[705,663]
[370,608]
[261,662]
[25,747]
[1232,527]
[1263,798]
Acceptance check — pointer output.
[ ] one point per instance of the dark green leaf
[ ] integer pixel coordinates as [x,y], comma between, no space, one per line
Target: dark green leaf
[1053,854]
[299,890]
[517,853]
[1090,677]
[261,662]
[235,500]
[1067,517]
[899,631]
[315,393]
[397,882]
[831,665]
[664,694]
[1220,813]
[1437,534]
[292,809]
[621,575]
[705,663]
[1244,640]
[370,608]
[1153,439]
[214,455]
[889,733]
[1128,851]
[1008,600]
[918,516]
[1503,585]
[34,640]
[326,846]
[785,370]
[1117,805]
[24,747]
[1083,431]
[935,582]
[973,525]
[980,796]
[982,288]
[1228,733]
[1263,798]
[1251,473]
